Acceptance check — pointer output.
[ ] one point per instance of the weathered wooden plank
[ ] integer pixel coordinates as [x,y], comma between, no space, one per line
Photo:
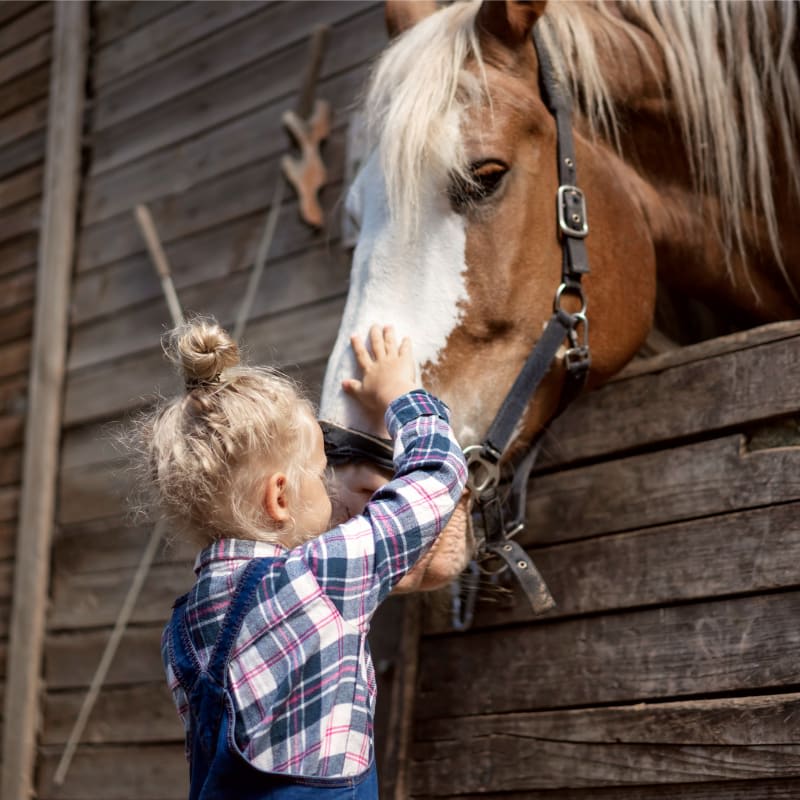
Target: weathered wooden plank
[71,658]
[18,253]
[236,93]
[15,358]
[175,30]
[213,253]
[20,219]
[243,140]
[742,386]
[93,600]
[25,89]
[143,713]
[40,465]
[29,118]
[312,276]
[272,29]
[727,790]
[711,348]
[11,428]
[116,18]
[26,57]
[285,339]
[23,153]
[10,467]
[668,485]
[222,200]
[9,503]
[13,395]
[37,20]
[730,554]
[125,772]
[94,443]
[16,324]
[17,289]
[708,740]
[18,188]
[738,645]
[10,9]
[8,535]
[112,543]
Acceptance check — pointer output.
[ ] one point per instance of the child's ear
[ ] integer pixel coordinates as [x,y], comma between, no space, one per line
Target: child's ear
[275,498]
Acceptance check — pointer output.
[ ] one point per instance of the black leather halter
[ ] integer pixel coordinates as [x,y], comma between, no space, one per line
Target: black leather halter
[498,524]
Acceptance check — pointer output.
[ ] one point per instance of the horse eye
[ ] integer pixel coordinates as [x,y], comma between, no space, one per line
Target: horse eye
[486,178]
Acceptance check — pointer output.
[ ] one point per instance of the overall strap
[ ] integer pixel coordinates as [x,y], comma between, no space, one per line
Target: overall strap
[241,603]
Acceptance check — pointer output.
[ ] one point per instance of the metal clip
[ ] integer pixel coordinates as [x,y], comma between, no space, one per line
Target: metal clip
[484,468]
[572,212]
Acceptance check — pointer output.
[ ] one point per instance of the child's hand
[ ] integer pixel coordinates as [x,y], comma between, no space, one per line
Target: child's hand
[389,372]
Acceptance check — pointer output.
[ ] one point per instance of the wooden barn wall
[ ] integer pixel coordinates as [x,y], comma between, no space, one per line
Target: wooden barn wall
[666,520]
[25,32]
[185,102]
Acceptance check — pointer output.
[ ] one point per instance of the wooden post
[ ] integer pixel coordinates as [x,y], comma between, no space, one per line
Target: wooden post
[43,425]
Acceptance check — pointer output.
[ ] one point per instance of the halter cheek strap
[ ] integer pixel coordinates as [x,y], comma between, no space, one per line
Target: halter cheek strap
[484,459]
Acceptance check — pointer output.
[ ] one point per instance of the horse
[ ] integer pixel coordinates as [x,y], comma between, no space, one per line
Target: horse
[685,135]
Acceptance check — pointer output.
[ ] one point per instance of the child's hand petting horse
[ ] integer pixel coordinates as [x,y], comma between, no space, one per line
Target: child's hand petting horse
[388,372]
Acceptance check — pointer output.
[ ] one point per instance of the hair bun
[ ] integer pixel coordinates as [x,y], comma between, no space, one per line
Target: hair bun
[202,349]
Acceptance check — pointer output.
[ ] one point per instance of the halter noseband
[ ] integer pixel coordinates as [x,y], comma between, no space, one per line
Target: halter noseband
[499,528]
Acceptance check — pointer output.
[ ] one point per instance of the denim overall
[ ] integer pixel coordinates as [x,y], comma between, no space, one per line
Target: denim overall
[218,771]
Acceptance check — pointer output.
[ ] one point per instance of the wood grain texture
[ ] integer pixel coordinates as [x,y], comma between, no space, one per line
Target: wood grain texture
[728,645]
[25,57]
[71,658]
[224,52]
[204,213]
[22,153]
[741,386]
[751,551]
[17,289]
[116,18]
[10,9]
[667,485]
[21,219]
[727,790]
[310,277]
[125,772]
[18,253]
[10,466]
[48,348]
[93,600]
[285,340]
[31,23]
[266,80]
[709,740]
[240,141]
[142,713]
[25,89]
[174,30]
[25,185]
[15,358]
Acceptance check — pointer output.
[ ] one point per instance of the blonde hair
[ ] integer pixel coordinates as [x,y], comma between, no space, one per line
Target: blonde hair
[202,457]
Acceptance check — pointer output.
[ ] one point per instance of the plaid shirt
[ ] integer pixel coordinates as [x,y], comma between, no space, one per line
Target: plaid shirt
[300,675]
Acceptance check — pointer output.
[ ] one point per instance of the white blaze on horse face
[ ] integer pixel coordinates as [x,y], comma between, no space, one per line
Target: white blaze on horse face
[417,286]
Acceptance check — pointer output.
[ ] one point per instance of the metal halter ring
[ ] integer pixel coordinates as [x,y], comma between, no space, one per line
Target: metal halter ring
[574,289]
[484,472]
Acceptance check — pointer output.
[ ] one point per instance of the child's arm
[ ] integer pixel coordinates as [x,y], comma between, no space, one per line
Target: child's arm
[358,563]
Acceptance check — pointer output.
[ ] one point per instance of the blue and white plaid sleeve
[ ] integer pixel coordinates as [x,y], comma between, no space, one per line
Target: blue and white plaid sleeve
[358,563]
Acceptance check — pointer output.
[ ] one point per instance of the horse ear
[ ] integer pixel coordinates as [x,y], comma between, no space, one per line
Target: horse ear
[404,14]
[510,21]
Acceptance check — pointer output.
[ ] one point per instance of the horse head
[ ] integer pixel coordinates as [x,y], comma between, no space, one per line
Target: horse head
[456,203]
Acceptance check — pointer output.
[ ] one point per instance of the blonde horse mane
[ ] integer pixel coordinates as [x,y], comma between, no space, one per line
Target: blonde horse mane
[729,72]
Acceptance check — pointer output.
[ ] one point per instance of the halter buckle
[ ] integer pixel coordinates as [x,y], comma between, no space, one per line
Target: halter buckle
[483,467]
[572,212]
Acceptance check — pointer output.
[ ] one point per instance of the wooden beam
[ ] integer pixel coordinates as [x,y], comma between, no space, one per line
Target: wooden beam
[43,428]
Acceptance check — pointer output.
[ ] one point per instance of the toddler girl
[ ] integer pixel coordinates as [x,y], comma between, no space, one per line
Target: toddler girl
[267,655]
